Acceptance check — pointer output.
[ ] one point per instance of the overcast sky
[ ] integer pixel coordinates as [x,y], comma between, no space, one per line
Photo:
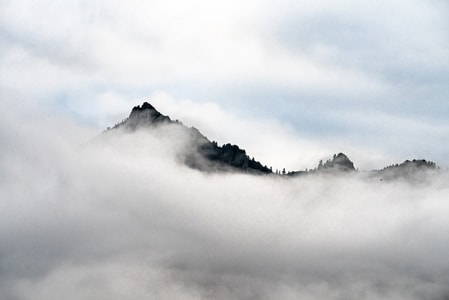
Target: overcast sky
[290,81]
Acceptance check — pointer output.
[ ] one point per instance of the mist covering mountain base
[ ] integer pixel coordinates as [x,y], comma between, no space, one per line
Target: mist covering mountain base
[123,217]
[205,155]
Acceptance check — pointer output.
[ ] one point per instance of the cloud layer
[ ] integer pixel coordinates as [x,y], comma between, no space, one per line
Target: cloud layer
[118,217]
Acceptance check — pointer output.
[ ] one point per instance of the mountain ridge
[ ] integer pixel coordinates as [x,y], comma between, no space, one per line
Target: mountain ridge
[209,156]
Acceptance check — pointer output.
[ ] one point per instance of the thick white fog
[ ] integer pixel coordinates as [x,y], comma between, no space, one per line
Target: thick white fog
[116,217]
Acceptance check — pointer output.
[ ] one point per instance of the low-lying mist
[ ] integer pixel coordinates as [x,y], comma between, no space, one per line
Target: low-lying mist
[119,218]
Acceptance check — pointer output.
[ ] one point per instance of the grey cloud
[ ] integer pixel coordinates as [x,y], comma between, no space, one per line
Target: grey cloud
[377,37]
[118,217]
[401,46]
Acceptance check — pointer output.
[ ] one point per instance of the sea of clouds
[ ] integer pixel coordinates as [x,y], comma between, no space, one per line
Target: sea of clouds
[85,215]
[93,216]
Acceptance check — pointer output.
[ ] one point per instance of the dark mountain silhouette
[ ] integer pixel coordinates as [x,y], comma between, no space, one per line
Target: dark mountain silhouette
[206,155]
[412,170]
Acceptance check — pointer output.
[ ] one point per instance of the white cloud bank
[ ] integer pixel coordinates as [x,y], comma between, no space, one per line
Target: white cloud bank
[119,218]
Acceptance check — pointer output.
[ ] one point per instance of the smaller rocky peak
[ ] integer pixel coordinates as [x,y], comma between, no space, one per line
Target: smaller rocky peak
[339,162]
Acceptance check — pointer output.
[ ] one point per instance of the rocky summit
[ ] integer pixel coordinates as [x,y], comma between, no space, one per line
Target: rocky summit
[340,162]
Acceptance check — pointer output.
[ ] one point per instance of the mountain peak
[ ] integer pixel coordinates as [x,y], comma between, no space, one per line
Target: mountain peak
[143,116]
[201,153]
[144,106]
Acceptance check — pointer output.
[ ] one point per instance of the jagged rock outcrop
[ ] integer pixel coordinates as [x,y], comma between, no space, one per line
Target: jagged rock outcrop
[231,155]
[340,162]
[143,116]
